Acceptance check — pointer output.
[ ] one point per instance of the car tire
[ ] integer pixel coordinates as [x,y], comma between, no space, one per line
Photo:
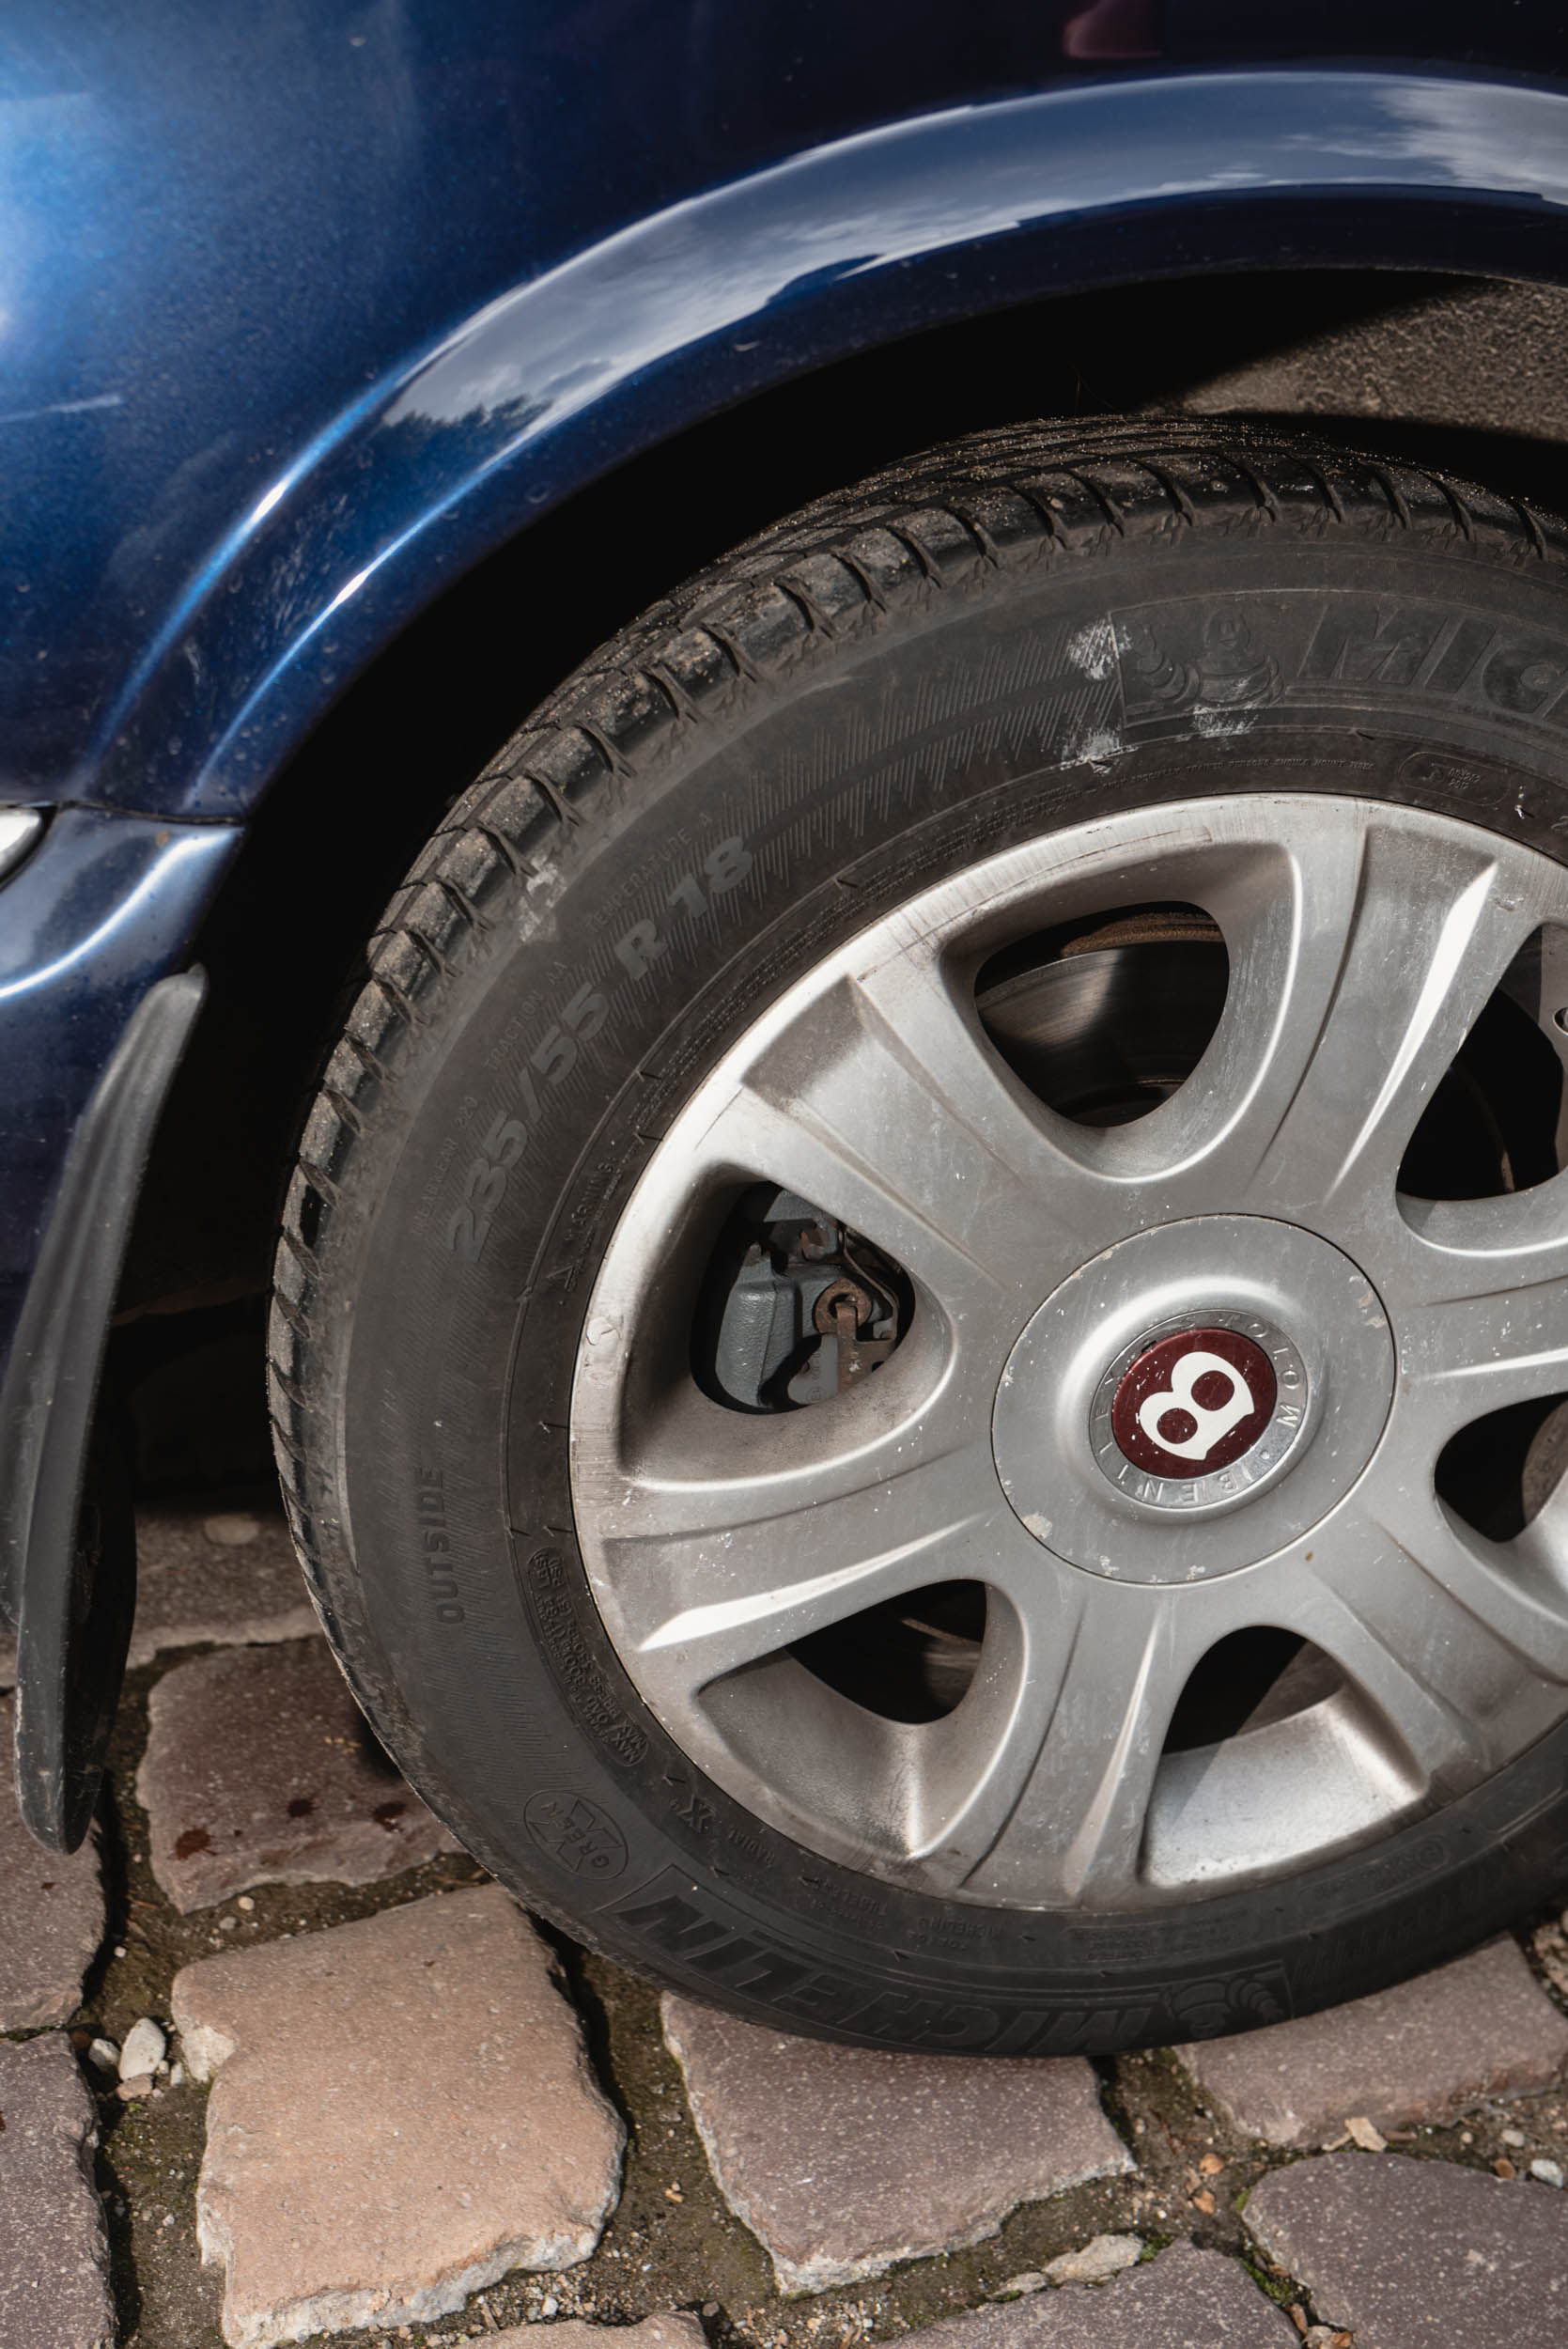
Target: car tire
[630,1036]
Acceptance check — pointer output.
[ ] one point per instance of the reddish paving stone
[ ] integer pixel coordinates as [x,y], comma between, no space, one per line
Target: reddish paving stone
[402,2112]
[51,1915]
[1408,2254]
[260,1768]
[1479,2027]
[197,1589]
[1185,2300]
[54,2253]
[673,2331]
[844,2160]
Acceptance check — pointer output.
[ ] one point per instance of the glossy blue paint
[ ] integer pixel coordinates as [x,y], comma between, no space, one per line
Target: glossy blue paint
[104,905]
[723,294]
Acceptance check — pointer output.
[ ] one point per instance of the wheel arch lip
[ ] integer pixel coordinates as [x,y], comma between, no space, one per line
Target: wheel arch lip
[921,221]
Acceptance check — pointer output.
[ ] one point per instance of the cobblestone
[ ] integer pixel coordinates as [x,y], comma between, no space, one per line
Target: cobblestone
[1185,2300]
[260,1768]
[1426,2050]
[675,2331]
[842,2160]
[51,1914]
[1413,2254]
[363,2088]
[53,2257]
[402,2112]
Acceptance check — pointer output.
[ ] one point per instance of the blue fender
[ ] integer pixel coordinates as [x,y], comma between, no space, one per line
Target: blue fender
[716,297]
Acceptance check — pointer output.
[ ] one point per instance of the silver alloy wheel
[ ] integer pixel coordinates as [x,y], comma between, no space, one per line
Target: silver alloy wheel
[1363,941]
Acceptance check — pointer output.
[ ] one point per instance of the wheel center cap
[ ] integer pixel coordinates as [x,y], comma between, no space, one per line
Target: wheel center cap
[1193,1401]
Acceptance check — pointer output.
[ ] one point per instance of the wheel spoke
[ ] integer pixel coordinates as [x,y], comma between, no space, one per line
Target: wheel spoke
[1461,1647]
[882,1103]
[1360,959]
[1067,1792]
[702,1579]
[1479,1300]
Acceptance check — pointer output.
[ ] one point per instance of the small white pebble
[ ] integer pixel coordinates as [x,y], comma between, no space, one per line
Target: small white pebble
[1511,2137]
[103,2055]
[232,1528]
[1550,2172]
[245,1902]
[228,1925]
[144,2051]
[547,2308]
[177,2075]
[119,1948]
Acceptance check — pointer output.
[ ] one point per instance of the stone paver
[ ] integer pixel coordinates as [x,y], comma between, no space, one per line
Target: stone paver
[673,2331]
[51,1914]
[402,2112]
[1479,2027]
[53,2254]
[236,1584]
[844,2160]
[1185,2300]
[259,1770]
[1412,2254]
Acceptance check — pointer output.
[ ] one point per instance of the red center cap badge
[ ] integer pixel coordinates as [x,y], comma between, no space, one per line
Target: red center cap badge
[1193,1403]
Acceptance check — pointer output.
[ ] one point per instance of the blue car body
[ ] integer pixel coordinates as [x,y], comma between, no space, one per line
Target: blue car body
[307,310]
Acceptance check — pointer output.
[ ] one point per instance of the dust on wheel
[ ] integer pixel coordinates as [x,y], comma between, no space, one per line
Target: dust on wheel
[922,1330]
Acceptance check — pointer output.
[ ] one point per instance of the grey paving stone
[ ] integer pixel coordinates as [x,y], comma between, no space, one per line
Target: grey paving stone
[196,1588]
[1185,2300]
[54,2253]
[673,2331]
[1406,2254]
[842,2160]
[1479,2027]
[402,2112]
[259,1770]
[51,1914]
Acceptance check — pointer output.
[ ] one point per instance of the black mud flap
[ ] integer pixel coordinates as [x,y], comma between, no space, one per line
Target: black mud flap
[67,1552]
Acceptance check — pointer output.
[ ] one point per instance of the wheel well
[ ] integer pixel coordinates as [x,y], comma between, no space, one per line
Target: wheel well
[1457,371]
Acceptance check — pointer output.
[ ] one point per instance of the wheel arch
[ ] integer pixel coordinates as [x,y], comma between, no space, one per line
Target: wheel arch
[470,602]
[855,244]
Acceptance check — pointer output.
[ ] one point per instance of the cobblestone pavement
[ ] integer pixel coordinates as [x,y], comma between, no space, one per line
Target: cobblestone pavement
[273,2056]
